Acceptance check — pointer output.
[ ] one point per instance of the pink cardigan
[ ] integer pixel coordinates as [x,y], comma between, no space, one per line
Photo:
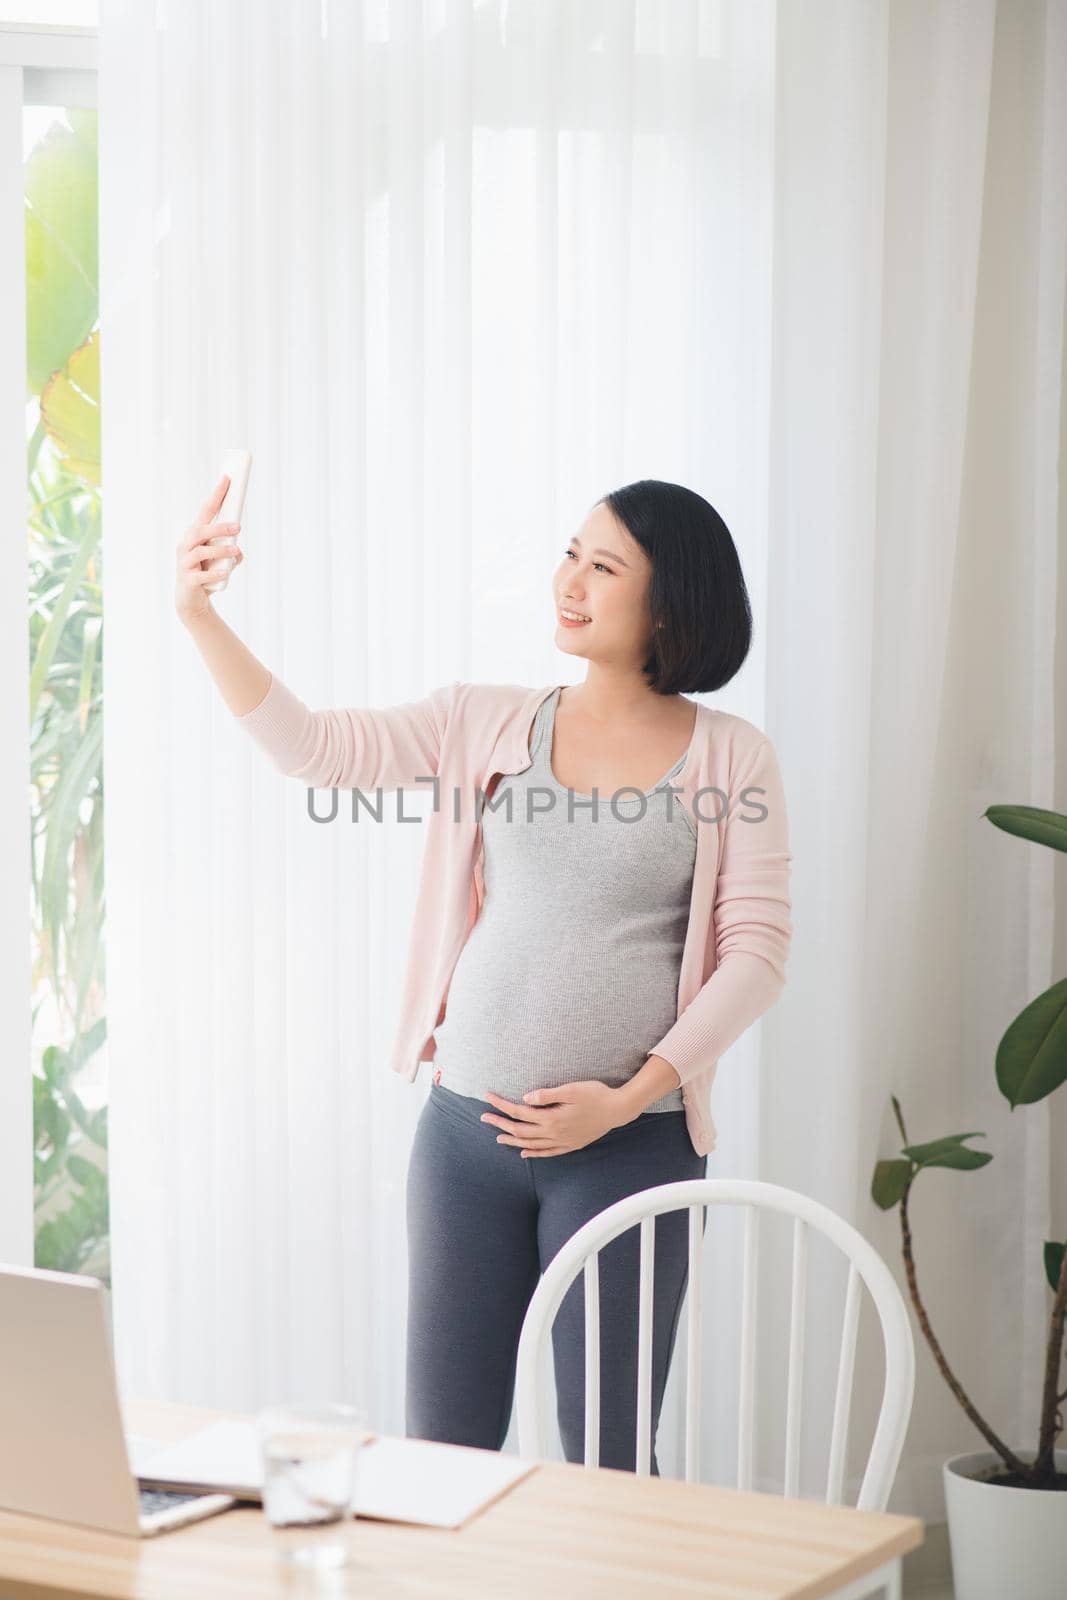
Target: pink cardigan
[739,929]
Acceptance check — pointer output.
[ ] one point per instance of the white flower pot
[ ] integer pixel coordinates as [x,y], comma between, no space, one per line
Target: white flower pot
[1007,1544]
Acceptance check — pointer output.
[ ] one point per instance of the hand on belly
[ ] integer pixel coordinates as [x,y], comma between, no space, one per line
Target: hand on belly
[550,1122]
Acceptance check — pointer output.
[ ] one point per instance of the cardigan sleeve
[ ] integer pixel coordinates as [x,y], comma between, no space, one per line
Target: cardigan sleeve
[386,747]
[752,922]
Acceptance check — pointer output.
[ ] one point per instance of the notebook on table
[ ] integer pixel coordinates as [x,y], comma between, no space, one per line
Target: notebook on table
[397,1480]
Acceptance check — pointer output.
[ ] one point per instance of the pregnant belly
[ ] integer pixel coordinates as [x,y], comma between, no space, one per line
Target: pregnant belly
[551,1013]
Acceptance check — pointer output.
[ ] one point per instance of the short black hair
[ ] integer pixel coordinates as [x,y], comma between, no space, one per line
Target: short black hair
[697,589]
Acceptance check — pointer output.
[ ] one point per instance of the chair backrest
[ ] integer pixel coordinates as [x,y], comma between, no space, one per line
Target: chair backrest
[580,1253]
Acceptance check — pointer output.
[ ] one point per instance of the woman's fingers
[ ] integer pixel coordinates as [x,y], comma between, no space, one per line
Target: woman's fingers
[221,562]
[206,554]
[526,1130]
[202,549]
[515,1124]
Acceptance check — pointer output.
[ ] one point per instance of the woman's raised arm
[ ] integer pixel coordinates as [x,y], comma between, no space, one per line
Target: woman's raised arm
[353,747]
[386,747]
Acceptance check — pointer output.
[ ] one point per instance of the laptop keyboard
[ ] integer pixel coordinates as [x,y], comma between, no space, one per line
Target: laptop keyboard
[164,1499]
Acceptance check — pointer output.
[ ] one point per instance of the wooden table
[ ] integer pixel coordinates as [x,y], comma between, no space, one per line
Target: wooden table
[563,1532]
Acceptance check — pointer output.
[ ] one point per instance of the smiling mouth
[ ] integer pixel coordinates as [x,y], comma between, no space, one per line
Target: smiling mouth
[574,617]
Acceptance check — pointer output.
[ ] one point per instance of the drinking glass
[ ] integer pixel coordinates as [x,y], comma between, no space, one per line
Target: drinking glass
[310,1454]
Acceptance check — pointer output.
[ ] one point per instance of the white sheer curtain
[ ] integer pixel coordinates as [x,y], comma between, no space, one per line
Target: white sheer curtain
[452,271]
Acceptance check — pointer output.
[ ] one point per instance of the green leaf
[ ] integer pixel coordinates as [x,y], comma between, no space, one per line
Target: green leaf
[1031,822]
[55,1064]
[52,1245]
[90,653]
[77,1110]
[77,778]
[1032,1056]
[81,1170]
[85,940]
[889,1183]
[51,1125]
[949,1152]
[62,609]
[89,1042]
[67,1240]
[1054,1263]
[45,1168]
[70,410]
[61,233]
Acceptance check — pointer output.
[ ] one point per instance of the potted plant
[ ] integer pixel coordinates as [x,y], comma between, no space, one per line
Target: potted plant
[1006,1507]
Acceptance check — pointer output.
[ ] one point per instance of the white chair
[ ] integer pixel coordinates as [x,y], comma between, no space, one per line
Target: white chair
[581,1253]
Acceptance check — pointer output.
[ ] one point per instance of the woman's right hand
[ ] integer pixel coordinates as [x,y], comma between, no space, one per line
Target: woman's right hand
[194,552]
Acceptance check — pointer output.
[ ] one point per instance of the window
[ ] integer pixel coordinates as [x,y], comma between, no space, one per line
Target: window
[65,620]
[55,1112]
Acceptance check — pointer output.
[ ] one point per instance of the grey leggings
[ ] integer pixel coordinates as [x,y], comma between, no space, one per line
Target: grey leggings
[483,1223]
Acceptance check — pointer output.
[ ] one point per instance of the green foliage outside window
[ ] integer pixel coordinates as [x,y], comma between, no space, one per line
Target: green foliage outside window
[65,622]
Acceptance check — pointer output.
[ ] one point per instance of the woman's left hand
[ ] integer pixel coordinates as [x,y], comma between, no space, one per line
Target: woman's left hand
[550,1122]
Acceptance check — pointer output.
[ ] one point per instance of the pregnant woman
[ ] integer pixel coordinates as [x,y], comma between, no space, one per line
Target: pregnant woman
[603,909]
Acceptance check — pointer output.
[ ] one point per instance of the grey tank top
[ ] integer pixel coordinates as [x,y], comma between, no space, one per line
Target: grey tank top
[571,969]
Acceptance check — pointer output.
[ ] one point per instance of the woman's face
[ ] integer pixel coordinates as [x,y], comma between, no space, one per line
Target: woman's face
[604,575]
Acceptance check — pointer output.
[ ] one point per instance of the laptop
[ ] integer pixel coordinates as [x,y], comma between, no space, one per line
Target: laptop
[64,1453]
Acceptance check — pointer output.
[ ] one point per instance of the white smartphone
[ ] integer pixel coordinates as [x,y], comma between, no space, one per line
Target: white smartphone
[236,464]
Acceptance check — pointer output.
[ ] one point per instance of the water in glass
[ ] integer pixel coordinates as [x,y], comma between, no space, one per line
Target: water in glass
[310,1457]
